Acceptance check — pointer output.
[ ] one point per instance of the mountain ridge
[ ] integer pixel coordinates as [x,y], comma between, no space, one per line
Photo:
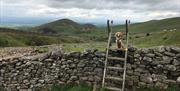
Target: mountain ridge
[63,25]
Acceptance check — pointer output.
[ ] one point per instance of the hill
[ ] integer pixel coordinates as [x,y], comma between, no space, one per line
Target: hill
[152,26]
[13,37]
[63,26]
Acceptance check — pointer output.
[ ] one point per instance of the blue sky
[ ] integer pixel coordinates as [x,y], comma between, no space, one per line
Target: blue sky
[86,11]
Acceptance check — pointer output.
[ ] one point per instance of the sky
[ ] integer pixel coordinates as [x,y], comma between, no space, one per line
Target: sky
[86,11]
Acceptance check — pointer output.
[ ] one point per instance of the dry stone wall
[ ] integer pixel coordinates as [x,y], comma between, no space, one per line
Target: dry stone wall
[155,67]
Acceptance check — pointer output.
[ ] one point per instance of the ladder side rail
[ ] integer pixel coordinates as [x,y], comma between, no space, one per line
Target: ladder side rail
[107,53]
[126,53]
[108,27]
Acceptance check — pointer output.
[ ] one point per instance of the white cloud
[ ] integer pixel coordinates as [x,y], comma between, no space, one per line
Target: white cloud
[136,10]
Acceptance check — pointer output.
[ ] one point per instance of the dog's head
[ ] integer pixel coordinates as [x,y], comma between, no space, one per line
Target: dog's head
[119,35]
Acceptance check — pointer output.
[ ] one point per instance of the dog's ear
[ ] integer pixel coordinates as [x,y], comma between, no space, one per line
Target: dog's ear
[115,34]
[123,33]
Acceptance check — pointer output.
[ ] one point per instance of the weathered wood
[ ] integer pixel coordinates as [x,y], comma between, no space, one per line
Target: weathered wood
[114,78]
[115,68]
[113,88]
[116,58]
[125,62]
[107,53]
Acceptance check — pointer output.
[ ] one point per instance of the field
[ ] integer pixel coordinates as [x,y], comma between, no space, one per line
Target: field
[166,38]
[76,44]
[14,38]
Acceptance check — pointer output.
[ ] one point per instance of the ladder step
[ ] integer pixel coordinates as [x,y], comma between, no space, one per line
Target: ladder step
[113,88]
[114,78]
[116,58]
[116,68]
[119,49]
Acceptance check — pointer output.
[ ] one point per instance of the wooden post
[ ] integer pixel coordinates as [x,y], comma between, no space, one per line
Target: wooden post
[108,27]
[126,28]
[107,53]
[125,62]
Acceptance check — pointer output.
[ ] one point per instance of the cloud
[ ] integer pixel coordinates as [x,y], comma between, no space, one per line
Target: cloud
[117,4]
[91,10]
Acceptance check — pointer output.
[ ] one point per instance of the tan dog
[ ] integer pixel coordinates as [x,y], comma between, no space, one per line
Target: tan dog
[119,40]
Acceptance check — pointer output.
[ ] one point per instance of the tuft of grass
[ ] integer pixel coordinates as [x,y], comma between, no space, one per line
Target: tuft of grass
[68,87]
[171,88]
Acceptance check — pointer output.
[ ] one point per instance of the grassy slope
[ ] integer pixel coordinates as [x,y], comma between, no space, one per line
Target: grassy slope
[157,39]
[154,39]
[152,26]
[11,37]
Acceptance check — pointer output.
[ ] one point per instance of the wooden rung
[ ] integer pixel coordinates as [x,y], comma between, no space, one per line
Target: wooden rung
[119,49]
[114,78]
[116,58]
[116,68]
[113,88]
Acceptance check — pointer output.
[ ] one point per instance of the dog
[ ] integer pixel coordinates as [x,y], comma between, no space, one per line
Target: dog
[119,40]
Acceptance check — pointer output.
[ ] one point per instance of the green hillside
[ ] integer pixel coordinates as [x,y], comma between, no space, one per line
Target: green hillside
[156,39]
[12,37]
[63,26]
[152,26]
[167,38]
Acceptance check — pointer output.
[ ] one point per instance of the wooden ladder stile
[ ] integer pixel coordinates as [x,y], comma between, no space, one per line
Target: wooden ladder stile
[115,58]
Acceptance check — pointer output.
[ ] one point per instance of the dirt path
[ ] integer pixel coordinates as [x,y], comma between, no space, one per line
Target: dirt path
[9,52]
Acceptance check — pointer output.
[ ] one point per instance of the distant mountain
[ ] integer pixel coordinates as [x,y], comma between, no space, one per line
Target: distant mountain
[63,26]
[152,26]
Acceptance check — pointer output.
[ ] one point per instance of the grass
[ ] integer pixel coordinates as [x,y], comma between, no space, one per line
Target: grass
[15,39]
[68,87]
[152,26]
[84,87]
[142,41]
[156,39]
[79,44]
[172,88]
